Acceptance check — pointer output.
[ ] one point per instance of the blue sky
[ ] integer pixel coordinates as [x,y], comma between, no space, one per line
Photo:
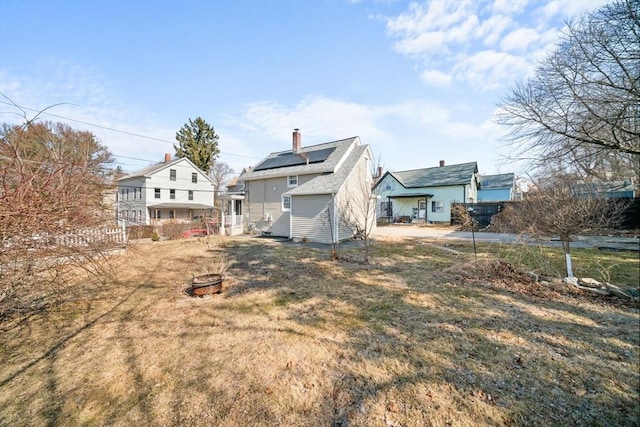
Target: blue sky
[418,81]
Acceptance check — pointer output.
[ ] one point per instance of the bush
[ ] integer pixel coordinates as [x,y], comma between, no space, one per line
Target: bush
[140,231]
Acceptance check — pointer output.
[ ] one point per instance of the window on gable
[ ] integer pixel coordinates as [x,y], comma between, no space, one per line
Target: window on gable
[292,181]
[190,194]
[172,174]
[172,194]
[286,203]
[437,207]
[194,177]
[156,193]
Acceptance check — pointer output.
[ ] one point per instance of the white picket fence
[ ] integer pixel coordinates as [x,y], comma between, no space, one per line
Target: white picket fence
[116,236]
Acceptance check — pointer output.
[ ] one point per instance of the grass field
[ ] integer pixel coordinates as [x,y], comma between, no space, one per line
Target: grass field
[424,336]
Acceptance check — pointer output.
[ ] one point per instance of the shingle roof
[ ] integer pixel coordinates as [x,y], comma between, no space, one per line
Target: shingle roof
[437,176]
[503,180]
[150,170]
[338,149]
[331,183]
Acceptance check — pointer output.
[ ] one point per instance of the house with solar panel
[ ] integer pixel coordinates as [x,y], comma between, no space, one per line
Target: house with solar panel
[426,195]
[303,193]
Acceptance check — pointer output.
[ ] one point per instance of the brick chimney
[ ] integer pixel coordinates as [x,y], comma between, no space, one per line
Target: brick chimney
[167,157]
[441,163]
[297,140]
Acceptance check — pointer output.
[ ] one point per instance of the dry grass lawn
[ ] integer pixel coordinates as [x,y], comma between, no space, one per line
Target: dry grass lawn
[421,337]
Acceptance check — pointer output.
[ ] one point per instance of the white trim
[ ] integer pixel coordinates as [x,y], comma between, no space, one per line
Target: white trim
[282,208]
[289,184]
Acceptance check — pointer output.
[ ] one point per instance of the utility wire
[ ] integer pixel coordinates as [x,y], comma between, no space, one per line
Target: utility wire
[109,128]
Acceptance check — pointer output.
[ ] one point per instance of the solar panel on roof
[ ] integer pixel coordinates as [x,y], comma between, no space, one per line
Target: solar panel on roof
[284,160]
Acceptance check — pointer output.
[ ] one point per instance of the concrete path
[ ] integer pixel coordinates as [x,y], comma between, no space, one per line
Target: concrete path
[421,231]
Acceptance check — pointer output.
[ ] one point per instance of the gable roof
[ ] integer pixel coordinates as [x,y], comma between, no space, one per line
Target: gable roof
[323,158]
[438,176]
[504,180]
[331,183]
[150,170]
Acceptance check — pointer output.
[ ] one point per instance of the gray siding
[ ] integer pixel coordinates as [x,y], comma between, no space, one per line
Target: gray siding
[311,218]
[264,203]
[356,203]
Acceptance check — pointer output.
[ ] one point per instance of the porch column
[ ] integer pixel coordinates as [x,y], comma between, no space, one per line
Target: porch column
[426,209]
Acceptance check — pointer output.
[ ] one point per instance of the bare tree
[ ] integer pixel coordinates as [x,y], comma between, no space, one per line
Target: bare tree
[565,207]
[583,103]
[52,190]
[357,210]
[220,174]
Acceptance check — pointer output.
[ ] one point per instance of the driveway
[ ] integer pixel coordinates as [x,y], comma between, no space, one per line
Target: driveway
[427,232]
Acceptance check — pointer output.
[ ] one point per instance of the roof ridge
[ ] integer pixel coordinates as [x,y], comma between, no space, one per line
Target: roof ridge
[305,149]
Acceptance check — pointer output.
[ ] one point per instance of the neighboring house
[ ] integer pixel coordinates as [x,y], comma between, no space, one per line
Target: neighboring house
[426,195]
[608,189]
[308,193]
[496,188]
[175,190]
[232,218]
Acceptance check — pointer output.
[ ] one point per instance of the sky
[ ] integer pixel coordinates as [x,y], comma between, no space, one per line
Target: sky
[419,82]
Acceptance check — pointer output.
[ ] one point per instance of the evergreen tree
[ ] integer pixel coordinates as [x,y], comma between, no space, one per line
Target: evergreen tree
[198,142]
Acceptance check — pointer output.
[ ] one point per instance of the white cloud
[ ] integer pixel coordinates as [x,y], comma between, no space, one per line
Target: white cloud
[425,43]
[485,45]
[519,40]
[488,70]
[436,78]
[490,30]
[508,7]
[570,8]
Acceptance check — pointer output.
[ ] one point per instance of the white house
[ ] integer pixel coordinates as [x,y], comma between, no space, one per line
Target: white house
[313,193]
[426,195]
[174,190]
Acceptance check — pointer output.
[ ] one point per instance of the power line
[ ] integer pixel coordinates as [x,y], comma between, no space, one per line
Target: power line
[111,129]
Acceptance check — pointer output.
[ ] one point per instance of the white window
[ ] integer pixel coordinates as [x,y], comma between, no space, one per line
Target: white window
[292,181]
[172,174]
[190,194]
[194,177]
[286,203]
[172,194]
[437,207]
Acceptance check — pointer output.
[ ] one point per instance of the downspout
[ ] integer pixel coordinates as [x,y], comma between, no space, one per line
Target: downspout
[291,219]
[336,229]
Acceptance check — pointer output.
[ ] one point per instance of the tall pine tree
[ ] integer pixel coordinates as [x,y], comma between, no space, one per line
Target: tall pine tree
[198,142]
